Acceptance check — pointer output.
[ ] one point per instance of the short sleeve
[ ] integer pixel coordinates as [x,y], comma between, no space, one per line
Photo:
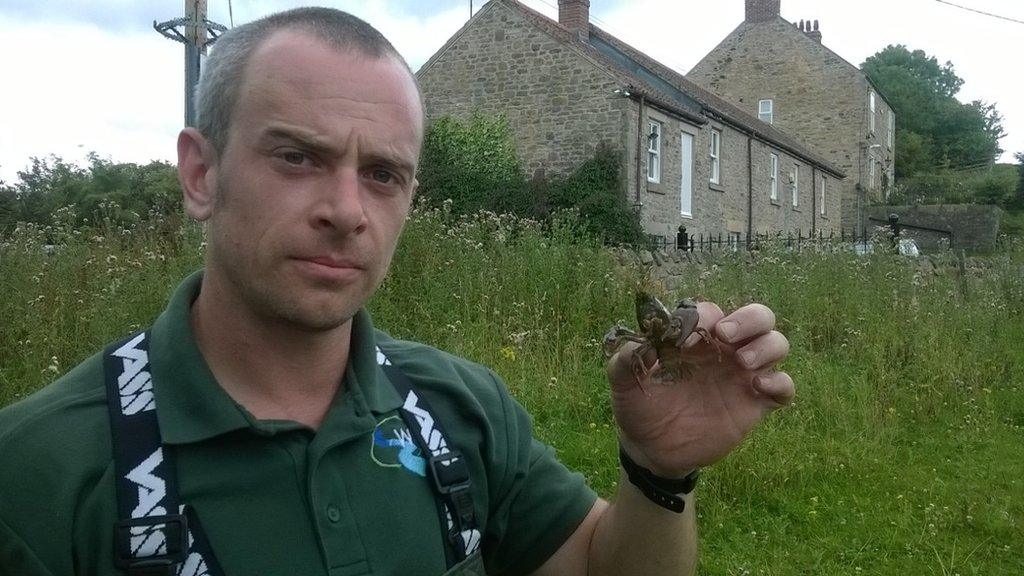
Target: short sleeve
[539,503]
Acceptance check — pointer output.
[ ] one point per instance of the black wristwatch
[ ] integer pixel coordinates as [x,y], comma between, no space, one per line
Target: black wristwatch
[662,491]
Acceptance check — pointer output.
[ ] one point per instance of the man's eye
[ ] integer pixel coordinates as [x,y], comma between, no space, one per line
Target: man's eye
[296,158]
[382,176]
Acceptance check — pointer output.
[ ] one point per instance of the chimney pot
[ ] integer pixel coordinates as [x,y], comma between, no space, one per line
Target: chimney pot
[814,34]
[575,15]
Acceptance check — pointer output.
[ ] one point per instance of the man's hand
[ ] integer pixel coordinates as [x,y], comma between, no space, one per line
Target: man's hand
[681,425]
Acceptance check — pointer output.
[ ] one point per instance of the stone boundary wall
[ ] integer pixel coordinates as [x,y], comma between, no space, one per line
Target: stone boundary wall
[975,227]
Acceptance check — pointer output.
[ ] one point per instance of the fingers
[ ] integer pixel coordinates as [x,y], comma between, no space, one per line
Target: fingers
[764,351]
[777,386]
[710,314]
[620,367]
[748,322]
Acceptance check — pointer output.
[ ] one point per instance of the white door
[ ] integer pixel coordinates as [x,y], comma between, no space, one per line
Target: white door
[686,188]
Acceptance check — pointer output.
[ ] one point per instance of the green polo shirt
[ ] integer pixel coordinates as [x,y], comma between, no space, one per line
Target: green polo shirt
[275,497]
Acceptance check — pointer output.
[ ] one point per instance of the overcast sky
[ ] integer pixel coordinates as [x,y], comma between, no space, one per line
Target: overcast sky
[88,75]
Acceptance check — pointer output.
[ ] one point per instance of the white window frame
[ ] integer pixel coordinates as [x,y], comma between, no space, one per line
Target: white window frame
[871,120]
[654,151]
[892,129]
[715,155]
[796,185]
[775,178]
[871,172]
[767,116]
[821,200]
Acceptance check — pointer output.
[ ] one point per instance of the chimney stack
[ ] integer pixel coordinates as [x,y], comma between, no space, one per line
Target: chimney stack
[575,15]
[814,34]
[762,10]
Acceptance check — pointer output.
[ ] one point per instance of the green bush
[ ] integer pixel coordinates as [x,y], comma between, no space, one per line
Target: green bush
[595,191]
[472,165]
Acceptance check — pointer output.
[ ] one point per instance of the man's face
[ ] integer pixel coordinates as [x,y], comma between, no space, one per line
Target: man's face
[315,182]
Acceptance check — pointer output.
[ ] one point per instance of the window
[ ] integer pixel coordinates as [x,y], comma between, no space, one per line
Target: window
[775,178]
[892,129]
[821,200]
[871,173]
[766,111]
[716,154]
[871,118]
[654,152]
[796,185]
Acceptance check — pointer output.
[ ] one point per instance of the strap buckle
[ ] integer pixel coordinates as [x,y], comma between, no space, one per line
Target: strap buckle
[449,472]
[452,481]
[174,528]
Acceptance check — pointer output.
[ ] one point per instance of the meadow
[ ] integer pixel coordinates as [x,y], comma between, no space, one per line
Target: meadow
[902,454]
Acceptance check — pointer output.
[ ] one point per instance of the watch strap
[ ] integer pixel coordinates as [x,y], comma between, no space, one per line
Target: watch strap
[662,491]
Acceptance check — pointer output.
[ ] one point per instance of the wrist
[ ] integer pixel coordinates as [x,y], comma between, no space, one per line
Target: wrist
[665,492]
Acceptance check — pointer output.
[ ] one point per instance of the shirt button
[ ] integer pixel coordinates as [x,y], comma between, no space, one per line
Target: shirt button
[333,514]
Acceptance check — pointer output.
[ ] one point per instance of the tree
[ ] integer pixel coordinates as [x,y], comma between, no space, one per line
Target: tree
[122,192]
[947,133]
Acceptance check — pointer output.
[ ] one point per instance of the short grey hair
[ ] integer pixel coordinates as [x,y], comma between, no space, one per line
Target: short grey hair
[223,70]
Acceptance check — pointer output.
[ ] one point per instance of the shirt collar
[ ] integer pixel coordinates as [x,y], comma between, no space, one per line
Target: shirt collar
[192,406]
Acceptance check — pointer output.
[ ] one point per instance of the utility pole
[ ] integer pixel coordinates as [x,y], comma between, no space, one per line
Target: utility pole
[197,33]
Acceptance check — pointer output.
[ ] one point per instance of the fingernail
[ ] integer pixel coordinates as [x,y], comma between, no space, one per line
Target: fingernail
[747,358]
[727,330]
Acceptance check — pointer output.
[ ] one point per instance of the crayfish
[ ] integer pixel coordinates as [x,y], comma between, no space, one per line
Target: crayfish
[660,330]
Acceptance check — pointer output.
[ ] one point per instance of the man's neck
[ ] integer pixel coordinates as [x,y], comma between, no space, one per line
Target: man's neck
[274,370]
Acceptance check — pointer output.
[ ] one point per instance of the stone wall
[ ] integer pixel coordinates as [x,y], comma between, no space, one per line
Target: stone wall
[724,208]
[561,106]
[818,97]
[975,228]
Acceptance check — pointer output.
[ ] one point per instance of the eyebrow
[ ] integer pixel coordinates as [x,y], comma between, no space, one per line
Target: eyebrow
[306,141]
[315,144]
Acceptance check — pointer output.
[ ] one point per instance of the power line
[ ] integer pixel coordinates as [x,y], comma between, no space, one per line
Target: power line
[1007,18]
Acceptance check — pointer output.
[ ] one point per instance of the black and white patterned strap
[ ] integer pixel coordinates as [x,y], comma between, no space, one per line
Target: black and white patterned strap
[155,534]
[445,465]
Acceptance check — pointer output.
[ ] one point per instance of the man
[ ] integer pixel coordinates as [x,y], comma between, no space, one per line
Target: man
[278,403]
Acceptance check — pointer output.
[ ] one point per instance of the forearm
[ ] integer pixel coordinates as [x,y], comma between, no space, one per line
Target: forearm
[636,536]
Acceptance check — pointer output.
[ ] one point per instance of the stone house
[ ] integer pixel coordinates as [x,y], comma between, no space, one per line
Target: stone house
[784,74]
[690,159]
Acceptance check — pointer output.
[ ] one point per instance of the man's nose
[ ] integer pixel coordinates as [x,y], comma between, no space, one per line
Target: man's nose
[341,205]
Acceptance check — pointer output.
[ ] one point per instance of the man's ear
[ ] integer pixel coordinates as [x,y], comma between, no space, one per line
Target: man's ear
[197,166]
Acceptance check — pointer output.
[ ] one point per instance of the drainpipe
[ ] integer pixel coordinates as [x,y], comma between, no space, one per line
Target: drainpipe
[639,140]
[750,187]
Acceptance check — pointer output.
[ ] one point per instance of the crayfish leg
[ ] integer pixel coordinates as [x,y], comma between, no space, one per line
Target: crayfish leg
[640,370]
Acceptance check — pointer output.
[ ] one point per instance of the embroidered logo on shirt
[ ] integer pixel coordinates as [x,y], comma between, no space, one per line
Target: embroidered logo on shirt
[393,447]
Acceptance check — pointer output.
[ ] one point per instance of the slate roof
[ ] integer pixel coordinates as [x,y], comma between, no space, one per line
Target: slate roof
[665,87]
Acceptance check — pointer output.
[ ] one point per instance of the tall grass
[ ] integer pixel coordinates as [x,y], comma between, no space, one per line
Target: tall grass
[902,454]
